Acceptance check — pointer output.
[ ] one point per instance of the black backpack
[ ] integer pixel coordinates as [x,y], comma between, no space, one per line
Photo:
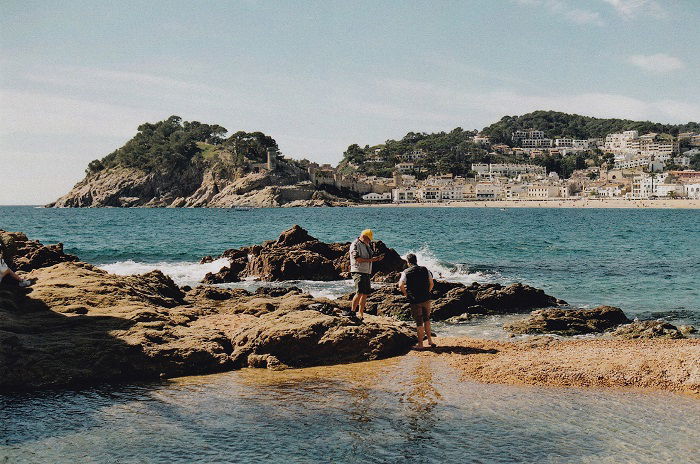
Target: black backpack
[417,284]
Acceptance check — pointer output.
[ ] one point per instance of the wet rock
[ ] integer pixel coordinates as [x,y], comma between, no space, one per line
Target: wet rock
[648,329]
[81,325]
[303,338]
[569,321]
[296,255]
[452,299]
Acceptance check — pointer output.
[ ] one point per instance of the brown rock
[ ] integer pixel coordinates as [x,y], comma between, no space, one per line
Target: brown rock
[25,255]
[81,325]
[648,329]
[296,255]
[569,321]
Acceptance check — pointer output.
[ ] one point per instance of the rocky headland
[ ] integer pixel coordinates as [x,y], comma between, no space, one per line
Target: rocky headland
[173,163]
[80,325]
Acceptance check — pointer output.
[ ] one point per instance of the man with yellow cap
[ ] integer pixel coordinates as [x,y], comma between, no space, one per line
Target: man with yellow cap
[361,259]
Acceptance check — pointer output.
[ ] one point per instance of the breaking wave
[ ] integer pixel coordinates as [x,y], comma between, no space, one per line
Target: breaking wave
[182,273]
[452,272]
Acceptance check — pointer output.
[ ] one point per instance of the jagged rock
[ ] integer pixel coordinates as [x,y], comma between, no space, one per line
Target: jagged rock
[301,338]
[569,321]
[687,329]
[81,325]
[22,254]
[648,329]
[296,255]
[452,299]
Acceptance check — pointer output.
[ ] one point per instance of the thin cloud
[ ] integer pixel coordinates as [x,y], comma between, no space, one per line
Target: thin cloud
[630,9]
[489,106]
[565,10]
[658,63]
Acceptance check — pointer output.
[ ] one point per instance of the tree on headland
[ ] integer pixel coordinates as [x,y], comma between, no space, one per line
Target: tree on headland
[162,146]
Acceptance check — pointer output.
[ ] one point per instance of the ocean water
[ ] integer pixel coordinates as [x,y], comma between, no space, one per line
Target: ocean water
[645,261]
[403,409]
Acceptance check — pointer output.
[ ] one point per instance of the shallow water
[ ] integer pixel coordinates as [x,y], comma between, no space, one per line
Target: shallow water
[410,408]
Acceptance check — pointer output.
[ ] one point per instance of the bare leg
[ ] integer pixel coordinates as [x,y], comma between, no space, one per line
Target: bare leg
[428,334]
[363,304]
[420,337]
[355,302]
[12,274]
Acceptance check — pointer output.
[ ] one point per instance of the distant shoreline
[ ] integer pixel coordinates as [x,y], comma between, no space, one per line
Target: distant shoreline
[556,203]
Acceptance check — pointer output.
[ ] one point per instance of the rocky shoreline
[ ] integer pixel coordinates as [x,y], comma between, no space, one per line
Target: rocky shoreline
[79,325]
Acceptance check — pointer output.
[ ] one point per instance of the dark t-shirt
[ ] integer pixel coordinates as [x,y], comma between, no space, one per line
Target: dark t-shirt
[417,279]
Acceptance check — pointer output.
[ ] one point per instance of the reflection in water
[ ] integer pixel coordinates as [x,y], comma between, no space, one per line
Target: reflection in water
[410,408]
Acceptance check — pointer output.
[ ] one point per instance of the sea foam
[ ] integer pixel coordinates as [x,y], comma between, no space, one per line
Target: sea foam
[182,273]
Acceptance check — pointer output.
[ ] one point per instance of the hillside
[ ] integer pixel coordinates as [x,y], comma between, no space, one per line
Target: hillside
[173,163]
[455,151]
[556,124]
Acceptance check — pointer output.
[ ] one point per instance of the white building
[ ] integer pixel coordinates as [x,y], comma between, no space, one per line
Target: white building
[488,191]
[404,195]
[536,143]
[405,168]
[619,143]
[692,190]
[507,170]
[482,139]
[527,134]
[543,191]
[377,196]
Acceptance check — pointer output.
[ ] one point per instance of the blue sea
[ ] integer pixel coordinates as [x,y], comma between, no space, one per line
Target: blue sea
[403,409]
[645,261]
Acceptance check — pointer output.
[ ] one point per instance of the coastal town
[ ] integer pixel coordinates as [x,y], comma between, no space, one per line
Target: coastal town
[637,167]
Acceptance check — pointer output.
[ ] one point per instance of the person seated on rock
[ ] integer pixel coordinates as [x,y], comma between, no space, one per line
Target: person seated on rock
[361,259]
[5,271]
[415,283]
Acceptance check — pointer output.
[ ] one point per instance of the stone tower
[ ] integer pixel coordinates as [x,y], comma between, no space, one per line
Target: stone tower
[271,159]
[398,180]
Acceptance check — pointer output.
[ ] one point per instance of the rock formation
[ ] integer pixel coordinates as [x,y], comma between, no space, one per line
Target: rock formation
[80,325]
[454,299]
[650,329]
[206,184]
[569,321]
[296,255]
[22,254]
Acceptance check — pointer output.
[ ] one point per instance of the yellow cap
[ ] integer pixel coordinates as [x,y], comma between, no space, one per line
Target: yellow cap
[368,233]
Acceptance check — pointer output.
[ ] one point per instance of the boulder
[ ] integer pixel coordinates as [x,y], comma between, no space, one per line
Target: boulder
[310,337]
[22,254]
[451,299]
[296,255]
[648,329]
[569,321]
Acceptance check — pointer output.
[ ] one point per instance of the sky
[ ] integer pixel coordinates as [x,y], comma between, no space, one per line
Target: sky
[78,77]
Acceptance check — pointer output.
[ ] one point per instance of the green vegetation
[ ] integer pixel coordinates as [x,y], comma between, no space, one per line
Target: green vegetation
[454,151]
[444,152]
[556,124]
[172,144]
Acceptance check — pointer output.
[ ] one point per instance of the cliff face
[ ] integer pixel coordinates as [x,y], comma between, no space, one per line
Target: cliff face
[206,184]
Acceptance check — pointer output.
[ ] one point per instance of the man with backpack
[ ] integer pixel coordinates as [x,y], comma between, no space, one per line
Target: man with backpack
[415,283]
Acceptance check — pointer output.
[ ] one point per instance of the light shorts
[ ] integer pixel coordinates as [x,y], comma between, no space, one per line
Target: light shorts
[3,266]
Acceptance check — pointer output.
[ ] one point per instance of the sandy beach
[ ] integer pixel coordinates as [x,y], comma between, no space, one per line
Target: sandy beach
[643,364]
[556,203]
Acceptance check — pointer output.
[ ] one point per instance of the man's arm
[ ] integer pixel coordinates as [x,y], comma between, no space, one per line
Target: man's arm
[402,287]
[430,279]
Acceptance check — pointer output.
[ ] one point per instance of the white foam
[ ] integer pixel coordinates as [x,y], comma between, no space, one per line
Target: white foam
[448,271]
[182,273]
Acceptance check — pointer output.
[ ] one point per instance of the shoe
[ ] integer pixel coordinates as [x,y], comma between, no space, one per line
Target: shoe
[25,283]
